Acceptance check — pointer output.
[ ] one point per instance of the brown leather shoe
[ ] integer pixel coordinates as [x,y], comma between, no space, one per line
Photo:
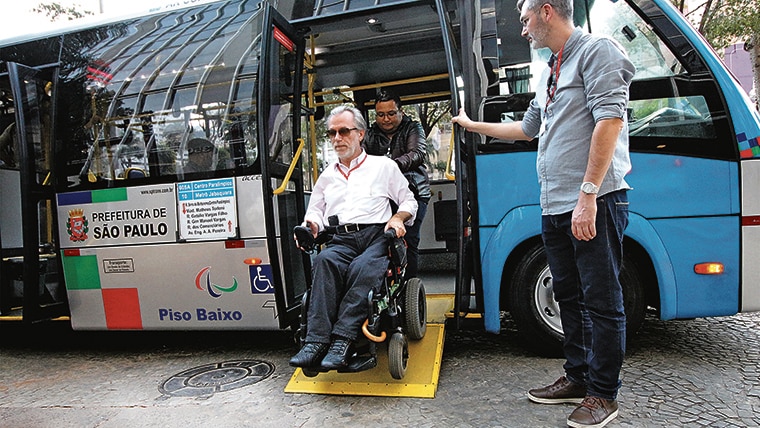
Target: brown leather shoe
[561,391]
[593,412]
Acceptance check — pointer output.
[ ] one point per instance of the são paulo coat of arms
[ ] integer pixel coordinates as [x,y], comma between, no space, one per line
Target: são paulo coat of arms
[76,225]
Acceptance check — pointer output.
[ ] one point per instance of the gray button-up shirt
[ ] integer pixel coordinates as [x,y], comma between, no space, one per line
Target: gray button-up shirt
[594,76]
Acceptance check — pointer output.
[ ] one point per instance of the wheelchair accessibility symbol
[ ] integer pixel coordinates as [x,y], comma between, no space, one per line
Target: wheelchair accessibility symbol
[261,279]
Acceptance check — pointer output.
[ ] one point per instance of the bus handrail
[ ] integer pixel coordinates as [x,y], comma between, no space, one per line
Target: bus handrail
[301,143]
[448,173]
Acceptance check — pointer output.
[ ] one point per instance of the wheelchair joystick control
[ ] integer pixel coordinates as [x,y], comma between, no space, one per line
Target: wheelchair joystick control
[304,238]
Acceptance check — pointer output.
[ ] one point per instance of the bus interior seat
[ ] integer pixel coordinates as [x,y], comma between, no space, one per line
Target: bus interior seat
[132,173]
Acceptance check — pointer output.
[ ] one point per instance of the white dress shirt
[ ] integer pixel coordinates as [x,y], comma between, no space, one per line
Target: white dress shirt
[360,193]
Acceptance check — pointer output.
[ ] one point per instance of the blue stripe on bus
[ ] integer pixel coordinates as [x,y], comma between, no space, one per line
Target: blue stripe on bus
[75,198]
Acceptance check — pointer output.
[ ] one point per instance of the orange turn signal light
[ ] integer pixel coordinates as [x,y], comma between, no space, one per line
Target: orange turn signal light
[709,268]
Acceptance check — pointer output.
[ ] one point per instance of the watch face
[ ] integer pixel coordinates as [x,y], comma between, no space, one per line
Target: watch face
[589,188]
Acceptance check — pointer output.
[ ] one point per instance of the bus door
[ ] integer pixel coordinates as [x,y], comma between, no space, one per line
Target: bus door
[30,269]
[468,281]
[279,124]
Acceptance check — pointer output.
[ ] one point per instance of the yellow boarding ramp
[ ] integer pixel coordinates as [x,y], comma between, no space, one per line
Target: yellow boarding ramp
[420,381]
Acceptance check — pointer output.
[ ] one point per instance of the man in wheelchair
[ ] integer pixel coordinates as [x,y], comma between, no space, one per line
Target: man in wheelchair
[352,199]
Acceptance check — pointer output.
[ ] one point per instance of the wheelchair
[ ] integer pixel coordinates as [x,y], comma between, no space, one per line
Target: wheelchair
[396,311]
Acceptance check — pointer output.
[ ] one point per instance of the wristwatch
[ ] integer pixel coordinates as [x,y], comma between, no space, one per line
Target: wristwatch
[589,188]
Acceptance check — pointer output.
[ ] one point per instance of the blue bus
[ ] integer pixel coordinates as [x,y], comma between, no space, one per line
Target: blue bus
[104,220]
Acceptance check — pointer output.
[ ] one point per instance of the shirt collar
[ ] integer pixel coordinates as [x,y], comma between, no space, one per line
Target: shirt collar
[571,42]
[356,161]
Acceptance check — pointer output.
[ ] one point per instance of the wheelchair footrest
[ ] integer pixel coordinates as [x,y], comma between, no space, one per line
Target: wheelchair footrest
[359,364]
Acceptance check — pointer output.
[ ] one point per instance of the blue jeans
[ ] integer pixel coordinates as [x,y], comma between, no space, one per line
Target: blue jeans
[585,277]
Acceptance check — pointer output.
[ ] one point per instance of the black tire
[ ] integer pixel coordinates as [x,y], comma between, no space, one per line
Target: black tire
[398,355]
[415,309]
[309,372]
[536,313]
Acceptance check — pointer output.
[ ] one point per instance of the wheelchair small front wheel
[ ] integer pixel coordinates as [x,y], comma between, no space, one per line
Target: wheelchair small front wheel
[398,355]
[308,372]
[415,309]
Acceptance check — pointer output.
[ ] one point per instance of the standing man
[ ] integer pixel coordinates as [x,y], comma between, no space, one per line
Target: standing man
[354,197]
[402,139]
[580,121]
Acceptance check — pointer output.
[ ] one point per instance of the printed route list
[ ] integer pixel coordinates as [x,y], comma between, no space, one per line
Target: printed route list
[207,209]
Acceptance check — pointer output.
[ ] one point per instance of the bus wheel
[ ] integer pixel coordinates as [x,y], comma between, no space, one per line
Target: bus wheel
[536,313]
[415,309]
[532,304]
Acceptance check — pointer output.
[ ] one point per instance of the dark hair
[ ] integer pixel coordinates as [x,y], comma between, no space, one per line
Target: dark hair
[384,96]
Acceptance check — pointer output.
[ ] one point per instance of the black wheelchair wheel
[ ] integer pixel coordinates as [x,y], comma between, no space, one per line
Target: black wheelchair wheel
[398,355]
[415,309]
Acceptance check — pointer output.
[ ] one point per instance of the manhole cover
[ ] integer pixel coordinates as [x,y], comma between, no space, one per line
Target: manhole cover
[207,380]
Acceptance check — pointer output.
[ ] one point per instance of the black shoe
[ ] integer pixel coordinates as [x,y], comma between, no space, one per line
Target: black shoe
[337,356]
[310,355]
[561,391]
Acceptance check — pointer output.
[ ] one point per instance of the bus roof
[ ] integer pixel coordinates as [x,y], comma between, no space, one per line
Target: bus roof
[57,28]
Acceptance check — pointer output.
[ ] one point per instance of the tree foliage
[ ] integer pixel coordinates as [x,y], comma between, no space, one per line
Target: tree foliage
[55,11]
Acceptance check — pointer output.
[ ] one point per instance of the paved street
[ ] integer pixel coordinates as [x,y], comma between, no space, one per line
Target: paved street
[701,372]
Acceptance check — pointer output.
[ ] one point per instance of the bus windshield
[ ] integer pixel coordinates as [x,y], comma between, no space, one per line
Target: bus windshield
[182,102]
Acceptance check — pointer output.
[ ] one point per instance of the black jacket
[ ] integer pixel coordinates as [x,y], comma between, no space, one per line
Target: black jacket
[408,148]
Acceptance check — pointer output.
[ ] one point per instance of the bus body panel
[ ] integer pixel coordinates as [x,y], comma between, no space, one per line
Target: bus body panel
[142,287]
[750,285]
[505,181]
[698,240]
[139,277]
[521,225]
[680,207]
[682,186]
[497,244]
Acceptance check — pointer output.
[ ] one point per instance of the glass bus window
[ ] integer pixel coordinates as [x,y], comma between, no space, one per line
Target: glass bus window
[153,102]
[240,128]
[651,57]
[168,72]
[681,117]
[645,49]
[331,7]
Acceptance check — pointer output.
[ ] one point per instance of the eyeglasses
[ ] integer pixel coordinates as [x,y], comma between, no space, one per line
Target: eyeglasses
[344,132]
[391,113]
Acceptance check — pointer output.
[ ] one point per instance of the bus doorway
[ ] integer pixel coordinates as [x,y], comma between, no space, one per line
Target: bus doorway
[30,286]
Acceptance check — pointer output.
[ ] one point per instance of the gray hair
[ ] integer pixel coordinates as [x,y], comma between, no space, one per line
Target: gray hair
[564,8]
[359,122]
